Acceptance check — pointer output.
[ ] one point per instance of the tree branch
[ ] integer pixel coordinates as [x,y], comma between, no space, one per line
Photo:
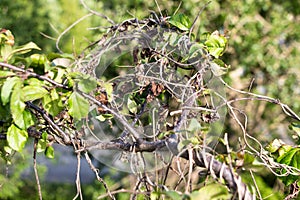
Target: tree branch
[53,126]
[140,145]
[29,73]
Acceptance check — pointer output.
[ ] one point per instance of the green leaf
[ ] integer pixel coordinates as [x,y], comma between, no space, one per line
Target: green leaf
[288,180]
[173,195]
[6,37]
[34,81]
[195,50]
[56,73]
[87,84]
[44,136]
[16,138]
[195,140]
[75,75]
[5,113]
[17,106]
[248,159]
[37,60]
[183,143]
[28,119]
[5,53]
[25,48]
[8,149]
[154,195]
[296,128]
[221,63]
[7,88]
[194,125]
[217,70]
[291,158]
[132,106]
[103,117]
[109,90]
[49,152]
[6,73]
[33,92]
[41,146]
[52,56]
[53,107]
[164,134]
[78,106]
[211,192]
[216,44]
[62,62]
[171,37]
[180,21]
[100,118]
[42,143]
[275,145]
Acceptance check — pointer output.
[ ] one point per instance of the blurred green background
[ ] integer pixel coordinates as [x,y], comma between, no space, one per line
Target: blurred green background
[263,51]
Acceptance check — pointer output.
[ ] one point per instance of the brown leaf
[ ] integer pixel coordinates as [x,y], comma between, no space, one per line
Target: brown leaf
[102,98]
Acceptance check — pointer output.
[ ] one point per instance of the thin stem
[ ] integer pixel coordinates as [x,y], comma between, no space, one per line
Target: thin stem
[96,171]
[195,20]
[35,169]
[68,29]
[78,185]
